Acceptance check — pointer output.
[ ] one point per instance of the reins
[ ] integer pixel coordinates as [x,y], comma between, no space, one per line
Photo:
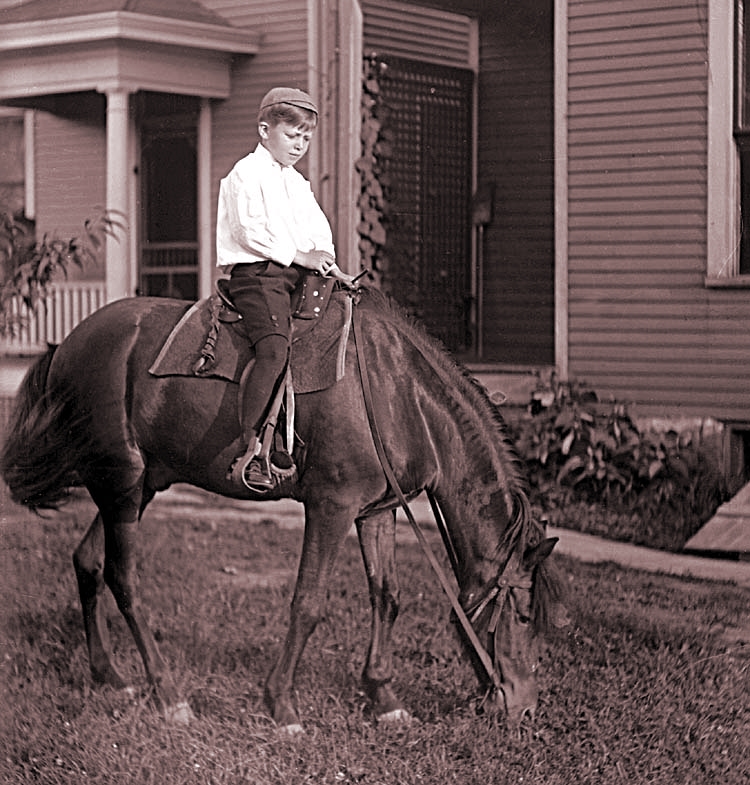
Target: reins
[480,650]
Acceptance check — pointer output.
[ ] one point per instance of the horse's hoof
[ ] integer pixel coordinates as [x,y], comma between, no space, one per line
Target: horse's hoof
[395,717]
[293,729]
[179,714]
[109,677]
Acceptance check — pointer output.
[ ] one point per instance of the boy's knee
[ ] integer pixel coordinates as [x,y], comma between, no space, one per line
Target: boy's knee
[272,350]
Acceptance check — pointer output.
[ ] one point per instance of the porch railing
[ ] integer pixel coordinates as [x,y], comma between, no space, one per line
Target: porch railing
[68,303]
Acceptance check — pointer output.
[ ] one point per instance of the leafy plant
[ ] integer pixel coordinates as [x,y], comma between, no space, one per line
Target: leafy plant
[662,485]
[28,266]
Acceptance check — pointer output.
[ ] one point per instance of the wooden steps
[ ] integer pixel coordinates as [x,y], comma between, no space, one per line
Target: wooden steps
[728,532]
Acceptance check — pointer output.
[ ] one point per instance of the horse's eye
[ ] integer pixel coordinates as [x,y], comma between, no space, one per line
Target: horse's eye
[522,606]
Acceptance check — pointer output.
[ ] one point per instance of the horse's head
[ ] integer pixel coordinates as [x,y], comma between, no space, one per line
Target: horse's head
[508,616]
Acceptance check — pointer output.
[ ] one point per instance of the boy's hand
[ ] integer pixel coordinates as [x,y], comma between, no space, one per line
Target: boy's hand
[320,261]
[340,275]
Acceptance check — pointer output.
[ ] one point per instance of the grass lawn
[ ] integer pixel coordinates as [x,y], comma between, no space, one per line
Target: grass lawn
[649,683]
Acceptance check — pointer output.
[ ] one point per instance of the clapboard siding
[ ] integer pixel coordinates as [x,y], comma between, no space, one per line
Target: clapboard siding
[424,34]
[70,172]
[515,154]
[642,325]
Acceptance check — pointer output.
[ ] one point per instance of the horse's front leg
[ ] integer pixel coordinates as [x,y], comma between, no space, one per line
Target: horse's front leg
[326,525]
[377,539]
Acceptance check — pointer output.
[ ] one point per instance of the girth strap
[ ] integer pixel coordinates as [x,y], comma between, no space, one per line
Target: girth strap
[481,652]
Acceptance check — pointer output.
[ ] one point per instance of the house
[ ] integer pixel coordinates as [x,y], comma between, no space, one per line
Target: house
[568,180]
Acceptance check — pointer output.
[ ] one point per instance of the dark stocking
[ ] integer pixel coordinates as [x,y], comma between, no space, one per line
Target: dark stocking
[270,360]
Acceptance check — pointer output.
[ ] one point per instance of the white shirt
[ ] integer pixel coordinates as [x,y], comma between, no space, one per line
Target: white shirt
[267,211]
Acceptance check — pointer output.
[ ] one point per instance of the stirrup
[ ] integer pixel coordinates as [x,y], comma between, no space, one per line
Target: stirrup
[257,481]
[282,465]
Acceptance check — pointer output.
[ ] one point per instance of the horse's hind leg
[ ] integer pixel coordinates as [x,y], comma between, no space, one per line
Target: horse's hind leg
[377,539]
[88,561]
[115,528]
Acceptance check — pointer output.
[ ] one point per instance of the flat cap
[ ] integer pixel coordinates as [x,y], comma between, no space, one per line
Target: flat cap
[288,95]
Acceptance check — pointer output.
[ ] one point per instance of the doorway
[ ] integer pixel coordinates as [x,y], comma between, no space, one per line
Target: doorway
[428,130]
[169,197]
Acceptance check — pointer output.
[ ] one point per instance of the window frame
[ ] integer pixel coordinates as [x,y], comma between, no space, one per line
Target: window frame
[723,186]
[28,163]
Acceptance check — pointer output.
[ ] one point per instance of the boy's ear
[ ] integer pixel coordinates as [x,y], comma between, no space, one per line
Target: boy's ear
[263,130]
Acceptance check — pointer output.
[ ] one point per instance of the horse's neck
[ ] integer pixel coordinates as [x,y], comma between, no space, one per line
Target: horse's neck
[476,486]
[477,519]
[454,436]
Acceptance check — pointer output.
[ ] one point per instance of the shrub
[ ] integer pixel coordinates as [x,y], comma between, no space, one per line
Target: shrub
[592,468]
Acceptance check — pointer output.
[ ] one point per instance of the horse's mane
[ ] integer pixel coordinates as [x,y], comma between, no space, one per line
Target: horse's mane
[522,526]
[523,530]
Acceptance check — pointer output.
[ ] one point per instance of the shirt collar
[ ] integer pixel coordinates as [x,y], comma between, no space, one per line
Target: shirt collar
[269,159]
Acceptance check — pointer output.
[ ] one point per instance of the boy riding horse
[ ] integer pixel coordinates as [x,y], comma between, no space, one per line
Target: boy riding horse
[269,227]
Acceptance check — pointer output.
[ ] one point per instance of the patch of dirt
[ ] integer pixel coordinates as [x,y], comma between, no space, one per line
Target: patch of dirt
[249,579]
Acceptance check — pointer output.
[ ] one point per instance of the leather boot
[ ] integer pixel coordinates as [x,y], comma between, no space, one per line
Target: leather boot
[249,470]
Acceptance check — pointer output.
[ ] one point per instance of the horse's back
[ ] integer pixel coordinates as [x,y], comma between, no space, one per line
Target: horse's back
[121,323]
[100,350]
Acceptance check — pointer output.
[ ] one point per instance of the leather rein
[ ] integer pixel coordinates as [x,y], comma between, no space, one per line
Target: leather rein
[497,591]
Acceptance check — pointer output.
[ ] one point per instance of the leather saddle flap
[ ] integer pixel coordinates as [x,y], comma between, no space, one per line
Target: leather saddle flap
[318,350]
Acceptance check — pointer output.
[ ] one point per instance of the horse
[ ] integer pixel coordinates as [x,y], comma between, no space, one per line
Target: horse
[90,414]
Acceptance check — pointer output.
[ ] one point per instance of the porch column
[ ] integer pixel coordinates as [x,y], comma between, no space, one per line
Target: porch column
[206,236]
[119,281]
[335,77]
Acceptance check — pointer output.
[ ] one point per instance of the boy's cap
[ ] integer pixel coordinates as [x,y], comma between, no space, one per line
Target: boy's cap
[288,95]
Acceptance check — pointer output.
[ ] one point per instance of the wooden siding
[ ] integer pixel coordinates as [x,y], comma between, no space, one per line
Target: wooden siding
[425,34]
[516,155]
[70,170]
[643,327]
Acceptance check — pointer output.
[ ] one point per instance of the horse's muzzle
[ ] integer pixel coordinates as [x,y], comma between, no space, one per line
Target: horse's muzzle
[517,704]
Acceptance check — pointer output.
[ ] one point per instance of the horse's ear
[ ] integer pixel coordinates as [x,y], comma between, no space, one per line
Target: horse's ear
[536,555]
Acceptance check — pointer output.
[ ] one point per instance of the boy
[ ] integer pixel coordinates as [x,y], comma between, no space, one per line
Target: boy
[269,226]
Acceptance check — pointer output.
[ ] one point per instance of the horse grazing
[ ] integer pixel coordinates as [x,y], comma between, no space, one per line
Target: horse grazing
[89,413]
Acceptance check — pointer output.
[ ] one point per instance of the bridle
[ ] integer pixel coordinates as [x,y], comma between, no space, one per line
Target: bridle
[496,591]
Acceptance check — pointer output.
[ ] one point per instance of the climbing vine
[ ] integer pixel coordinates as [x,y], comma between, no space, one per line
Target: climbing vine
[373,203]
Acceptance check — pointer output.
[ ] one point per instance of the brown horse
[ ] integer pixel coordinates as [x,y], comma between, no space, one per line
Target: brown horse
[89,413]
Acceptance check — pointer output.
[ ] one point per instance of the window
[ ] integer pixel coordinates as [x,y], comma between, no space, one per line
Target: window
[12,163]
[742,129]
[728,147]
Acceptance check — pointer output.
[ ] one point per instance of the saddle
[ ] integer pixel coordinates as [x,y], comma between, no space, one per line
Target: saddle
[209,341]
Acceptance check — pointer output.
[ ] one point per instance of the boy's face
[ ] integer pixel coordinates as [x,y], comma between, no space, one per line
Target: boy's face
[286,143]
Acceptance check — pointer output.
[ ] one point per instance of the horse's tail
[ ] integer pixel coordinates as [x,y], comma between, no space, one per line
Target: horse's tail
[44,442]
